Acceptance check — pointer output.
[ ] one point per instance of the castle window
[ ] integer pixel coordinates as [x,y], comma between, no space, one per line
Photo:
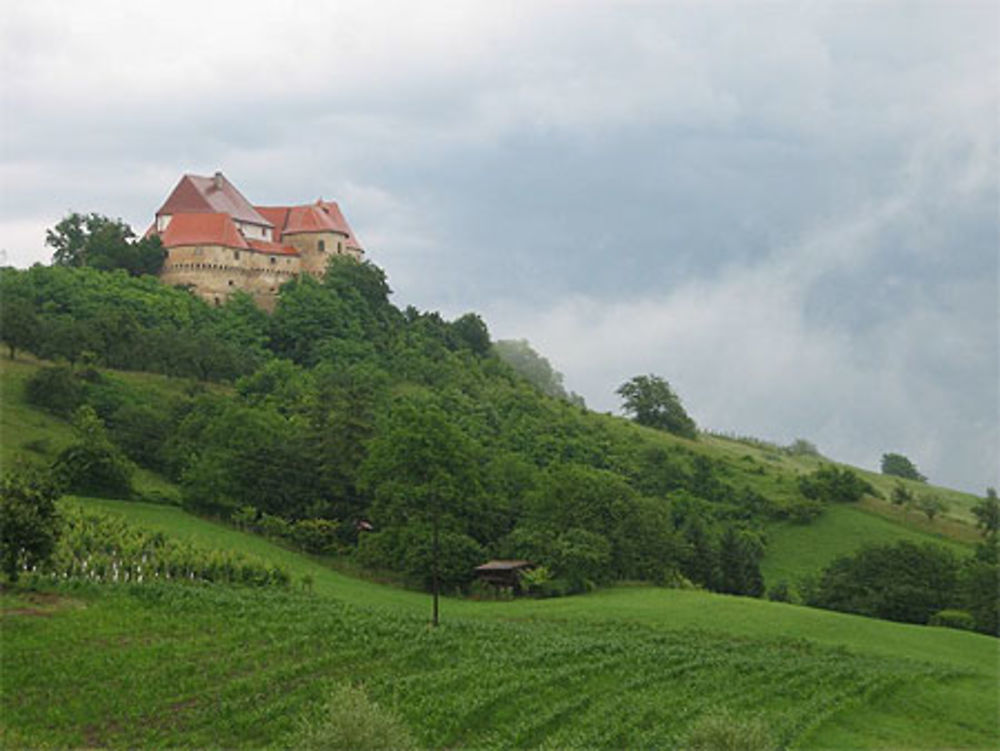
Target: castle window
[230,282]
[273,259]
[322,246]
[236,255]
[340,248]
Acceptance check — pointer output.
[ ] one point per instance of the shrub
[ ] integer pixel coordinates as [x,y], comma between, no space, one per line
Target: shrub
[959,619]
[721,730]
[834,485]
[351,722]
[780,592]
[93,464]
[29,523]
[56,389]
[901,582]
[315,535]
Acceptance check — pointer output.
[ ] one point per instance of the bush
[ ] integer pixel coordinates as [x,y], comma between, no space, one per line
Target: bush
[959,619]
[780,592]
[351,722]
[93,465]
[901,582]
[56,389]
[831,484]
[29,523]
[721,730]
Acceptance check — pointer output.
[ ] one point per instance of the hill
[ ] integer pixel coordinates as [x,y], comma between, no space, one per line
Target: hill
[205,665]
[793,550]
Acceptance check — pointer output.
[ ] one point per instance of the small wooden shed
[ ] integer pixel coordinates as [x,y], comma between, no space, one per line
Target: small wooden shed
[503,573]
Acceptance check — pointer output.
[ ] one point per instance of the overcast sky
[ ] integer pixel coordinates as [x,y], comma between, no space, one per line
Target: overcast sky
[788,210]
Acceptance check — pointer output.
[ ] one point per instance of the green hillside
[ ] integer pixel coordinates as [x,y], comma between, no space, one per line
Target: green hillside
[793,550]
[204,665]
[372,437]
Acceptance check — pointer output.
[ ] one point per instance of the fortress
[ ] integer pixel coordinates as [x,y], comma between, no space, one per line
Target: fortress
[217,242]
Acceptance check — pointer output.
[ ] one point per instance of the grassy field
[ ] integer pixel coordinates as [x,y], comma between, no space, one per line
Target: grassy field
[624,667]
[797,550]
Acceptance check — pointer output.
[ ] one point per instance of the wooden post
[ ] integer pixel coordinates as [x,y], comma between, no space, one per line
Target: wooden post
[434,620]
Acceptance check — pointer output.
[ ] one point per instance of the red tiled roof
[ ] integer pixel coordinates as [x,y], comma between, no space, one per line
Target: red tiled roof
[195,194]
[262,246]
[333,211]
[203,229]
[276,215]
[322,216]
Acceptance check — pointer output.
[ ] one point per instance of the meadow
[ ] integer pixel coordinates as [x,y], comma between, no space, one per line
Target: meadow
[196,665]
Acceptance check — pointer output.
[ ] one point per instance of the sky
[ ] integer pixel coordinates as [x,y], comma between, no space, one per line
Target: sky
[790,211]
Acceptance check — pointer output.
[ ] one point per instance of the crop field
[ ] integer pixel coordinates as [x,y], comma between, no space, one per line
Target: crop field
[194,665]
[203,665]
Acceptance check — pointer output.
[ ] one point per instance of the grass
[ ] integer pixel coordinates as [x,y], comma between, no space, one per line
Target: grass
[969,659]
[196,666]
[798,550]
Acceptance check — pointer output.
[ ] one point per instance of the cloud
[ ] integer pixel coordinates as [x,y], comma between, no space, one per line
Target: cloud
[790,210]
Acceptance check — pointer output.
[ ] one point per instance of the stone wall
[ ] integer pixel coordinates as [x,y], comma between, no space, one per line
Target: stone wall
[315,255]
[215,272]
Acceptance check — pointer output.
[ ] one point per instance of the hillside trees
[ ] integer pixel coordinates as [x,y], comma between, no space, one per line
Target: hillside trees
[651,402]
[902,582]
[537,370]
[987,513]
[102,243]
[421,470]
[832,484]
[18,325]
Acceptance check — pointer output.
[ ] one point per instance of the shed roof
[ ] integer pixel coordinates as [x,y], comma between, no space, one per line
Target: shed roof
[503,565]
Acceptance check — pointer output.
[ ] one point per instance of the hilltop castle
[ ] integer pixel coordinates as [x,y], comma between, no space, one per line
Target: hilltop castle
[217,242]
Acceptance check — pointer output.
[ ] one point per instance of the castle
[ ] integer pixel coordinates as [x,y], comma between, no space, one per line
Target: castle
[217,243]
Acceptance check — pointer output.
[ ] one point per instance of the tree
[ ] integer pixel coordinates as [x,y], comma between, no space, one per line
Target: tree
[901,495]
[740,552]
[902,582]
[987,514]
[931,505]
[899,466]
[29,523]
[419,469]
[538,371]
[470,331]
[18,325]
[94,464]
[102,243]
[651,402]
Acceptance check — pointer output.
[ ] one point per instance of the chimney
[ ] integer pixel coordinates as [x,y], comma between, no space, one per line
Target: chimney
[217,181]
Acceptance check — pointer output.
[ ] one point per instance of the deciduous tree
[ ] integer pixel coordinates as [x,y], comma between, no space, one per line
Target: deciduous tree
[651,402]
[900,466]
